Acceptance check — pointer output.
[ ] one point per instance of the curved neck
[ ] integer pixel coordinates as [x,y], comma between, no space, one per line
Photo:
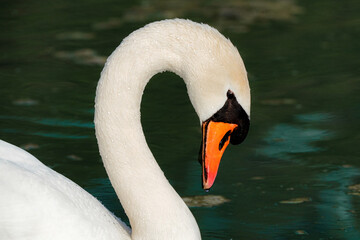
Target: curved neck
[154,209]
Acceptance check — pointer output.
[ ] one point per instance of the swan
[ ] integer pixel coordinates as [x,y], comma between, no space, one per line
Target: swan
[39,203]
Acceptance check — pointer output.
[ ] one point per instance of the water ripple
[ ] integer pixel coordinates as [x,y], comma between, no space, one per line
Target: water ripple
[51,121]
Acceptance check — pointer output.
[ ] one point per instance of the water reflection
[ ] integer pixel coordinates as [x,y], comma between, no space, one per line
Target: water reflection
[284,139]
[314,117]
[25,102]
[58,135]
[82,56]
[51,121]
[75,36]
[232,15]
[336,209]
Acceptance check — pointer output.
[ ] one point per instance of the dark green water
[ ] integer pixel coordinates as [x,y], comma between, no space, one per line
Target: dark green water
[296,175]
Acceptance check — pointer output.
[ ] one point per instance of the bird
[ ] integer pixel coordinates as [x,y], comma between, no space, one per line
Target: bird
[38,203]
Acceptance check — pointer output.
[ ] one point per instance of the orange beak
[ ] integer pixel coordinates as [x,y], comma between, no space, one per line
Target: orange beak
[216,137]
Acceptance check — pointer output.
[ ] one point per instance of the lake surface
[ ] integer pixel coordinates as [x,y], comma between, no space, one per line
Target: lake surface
[295,177]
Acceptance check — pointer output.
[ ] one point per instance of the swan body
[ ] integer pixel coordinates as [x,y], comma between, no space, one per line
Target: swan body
[39,203]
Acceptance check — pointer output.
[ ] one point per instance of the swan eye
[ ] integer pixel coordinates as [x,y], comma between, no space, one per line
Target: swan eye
[224,140]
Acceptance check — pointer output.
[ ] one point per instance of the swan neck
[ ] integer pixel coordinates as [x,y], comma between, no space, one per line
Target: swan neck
[154,209]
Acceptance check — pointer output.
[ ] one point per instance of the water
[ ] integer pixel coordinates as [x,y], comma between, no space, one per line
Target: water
[295,175]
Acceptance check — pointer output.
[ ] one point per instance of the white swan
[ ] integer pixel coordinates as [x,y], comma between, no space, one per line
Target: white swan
[39,203]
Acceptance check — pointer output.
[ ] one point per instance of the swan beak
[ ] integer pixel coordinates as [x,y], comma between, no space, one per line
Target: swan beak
[216,137]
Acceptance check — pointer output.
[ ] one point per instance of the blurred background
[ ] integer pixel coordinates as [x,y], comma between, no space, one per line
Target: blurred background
[297,175]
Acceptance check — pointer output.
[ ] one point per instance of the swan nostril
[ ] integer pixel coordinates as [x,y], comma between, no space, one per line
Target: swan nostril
[224,139]
[230,94]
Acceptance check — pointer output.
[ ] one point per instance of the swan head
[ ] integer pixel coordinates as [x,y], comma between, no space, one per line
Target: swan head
[218,88]
[230,124]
